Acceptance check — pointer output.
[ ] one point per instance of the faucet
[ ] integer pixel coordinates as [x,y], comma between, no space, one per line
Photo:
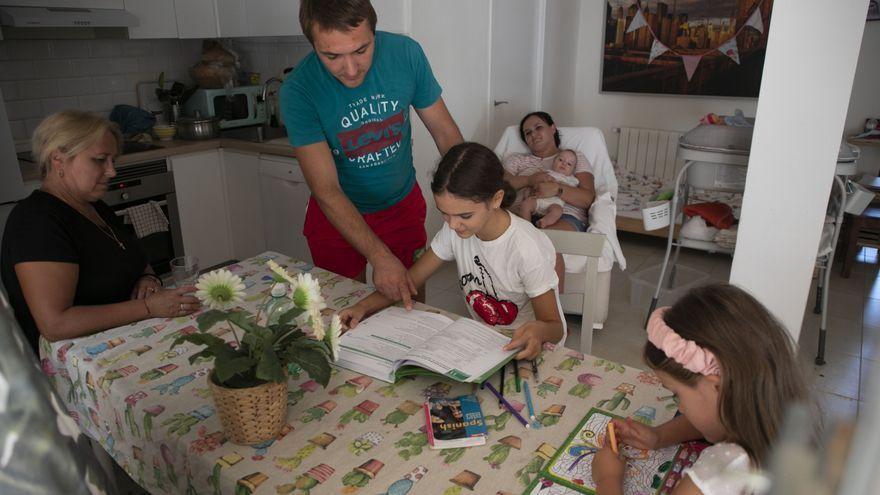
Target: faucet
[269,113]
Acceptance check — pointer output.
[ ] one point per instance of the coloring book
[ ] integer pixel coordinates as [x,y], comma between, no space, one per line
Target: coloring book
[647,471]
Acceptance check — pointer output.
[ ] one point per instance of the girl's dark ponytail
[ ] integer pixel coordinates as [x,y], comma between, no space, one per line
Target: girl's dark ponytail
[472,171]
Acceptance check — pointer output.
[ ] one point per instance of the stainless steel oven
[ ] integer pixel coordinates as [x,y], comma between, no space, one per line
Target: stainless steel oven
[139,183]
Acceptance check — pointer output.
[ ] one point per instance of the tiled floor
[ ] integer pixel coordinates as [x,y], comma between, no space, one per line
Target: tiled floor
[853,323]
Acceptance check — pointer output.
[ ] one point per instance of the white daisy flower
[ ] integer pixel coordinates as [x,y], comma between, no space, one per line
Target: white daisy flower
[307,293]
[280,271]
[220,289]
[317,324]
[332,337]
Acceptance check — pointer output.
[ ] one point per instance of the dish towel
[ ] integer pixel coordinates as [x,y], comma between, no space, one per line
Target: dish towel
[147,218]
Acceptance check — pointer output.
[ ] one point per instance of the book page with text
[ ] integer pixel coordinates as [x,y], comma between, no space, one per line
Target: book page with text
[385,338]
[465,350]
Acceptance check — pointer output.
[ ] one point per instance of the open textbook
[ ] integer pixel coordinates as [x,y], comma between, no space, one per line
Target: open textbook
[394,343]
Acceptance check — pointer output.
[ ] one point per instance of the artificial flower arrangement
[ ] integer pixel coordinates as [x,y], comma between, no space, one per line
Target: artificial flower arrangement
[254,366]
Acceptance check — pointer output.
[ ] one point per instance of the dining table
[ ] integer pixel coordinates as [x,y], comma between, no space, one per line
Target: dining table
[136,394]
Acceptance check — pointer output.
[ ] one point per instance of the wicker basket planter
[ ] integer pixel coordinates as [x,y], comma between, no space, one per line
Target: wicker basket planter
[251,415]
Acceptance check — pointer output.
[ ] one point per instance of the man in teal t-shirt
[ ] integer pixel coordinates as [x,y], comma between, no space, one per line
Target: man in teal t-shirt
[346,108]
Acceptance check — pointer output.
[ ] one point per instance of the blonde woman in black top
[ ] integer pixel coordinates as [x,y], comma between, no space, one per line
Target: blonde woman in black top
[68,266]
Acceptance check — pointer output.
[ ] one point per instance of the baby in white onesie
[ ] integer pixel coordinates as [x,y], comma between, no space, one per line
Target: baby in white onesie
[551,208]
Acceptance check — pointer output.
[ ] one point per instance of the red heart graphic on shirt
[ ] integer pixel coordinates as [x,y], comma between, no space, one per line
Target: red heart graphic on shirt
[491,310]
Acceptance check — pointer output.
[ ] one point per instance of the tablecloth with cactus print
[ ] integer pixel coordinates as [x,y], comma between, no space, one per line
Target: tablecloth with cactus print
[152,411]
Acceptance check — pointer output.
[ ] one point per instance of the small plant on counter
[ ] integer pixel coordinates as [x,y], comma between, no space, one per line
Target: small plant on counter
[263,352]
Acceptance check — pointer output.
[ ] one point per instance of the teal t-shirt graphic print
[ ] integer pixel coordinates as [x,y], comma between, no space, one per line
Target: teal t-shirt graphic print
[368,127]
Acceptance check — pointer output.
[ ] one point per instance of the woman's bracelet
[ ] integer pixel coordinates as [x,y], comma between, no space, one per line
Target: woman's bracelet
[153,276]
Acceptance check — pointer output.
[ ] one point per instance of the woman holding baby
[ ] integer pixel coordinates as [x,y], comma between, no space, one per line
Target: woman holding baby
[541,180]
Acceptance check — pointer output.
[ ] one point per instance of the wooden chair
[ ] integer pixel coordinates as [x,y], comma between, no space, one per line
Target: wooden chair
[589,245]
[864,230]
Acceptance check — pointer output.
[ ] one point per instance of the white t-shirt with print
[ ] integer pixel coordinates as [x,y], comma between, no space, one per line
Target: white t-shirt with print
[498,278]
[722,469]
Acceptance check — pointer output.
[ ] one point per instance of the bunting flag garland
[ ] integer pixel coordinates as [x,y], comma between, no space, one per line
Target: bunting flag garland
[637,22]
[657,49]
[755,21]
[730,49]
[690,64]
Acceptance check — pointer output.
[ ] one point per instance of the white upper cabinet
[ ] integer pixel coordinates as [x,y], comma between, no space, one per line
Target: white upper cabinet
[232,16]
[392,15]
[196,18]
[273,18]
[83,4]
[157,19]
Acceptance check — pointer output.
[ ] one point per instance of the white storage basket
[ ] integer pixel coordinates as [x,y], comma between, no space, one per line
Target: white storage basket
[656,215]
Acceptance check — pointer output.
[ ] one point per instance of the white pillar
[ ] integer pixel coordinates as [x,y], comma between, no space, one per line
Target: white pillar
[812,51]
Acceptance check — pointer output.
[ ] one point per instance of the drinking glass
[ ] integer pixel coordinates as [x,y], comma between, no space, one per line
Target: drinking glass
[185,270]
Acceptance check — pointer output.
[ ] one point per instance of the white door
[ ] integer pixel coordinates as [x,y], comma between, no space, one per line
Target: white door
[514,79]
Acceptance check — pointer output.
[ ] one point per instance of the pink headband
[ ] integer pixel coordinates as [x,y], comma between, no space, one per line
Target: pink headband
[684,352]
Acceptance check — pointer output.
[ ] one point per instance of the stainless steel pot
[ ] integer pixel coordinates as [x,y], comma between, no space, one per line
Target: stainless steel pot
[195,128]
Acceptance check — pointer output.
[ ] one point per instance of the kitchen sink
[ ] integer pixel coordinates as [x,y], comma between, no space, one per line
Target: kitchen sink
[256,134]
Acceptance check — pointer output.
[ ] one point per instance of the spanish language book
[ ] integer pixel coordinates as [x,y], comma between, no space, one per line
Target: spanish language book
[454,422]
[394,343]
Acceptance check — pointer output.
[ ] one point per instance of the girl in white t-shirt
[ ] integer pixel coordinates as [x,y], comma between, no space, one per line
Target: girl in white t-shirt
[732,366]
[505,264]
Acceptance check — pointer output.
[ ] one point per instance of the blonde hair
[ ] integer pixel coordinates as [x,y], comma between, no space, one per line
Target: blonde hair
[70,132]
[760,374]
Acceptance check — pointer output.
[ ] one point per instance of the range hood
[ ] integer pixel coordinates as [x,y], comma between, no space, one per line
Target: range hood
[21,17]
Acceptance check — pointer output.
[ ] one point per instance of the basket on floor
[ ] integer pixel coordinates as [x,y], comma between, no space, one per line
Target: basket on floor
[656,215]
[251,415]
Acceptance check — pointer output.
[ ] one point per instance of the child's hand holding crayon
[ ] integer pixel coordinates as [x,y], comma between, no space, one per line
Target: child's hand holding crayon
[608,465]
[636,434]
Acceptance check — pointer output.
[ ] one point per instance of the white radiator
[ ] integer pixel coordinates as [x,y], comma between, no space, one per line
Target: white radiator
[649,152]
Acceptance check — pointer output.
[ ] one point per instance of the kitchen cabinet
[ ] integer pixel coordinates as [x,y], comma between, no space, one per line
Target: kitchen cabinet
[232,18]
[258,18]
[82,4]
[196,18]
[157,19]
[273,18]
[201,199]
[242,176]
[392,15]
[285,197]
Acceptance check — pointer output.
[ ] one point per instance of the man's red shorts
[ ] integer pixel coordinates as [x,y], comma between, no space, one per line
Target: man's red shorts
[401,227]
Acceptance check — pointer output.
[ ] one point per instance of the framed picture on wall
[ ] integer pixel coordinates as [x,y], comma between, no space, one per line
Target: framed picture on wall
[874,10]
[685,47]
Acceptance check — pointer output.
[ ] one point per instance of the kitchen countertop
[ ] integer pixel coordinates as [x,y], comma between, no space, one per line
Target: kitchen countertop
[279,147]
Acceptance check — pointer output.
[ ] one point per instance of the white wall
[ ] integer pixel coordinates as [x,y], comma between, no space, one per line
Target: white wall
[607,110]
[454,35]
[777,239]
[560,59]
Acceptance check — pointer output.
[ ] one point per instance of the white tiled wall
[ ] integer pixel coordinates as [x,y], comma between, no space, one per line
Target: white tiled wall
[40,77]
[270,55]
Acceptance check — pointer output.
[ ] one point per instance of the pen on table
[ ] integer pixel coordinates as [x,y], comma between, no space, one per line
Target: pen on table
[535,369]
[506,404]
[501,396]
[516,375]
[529,401]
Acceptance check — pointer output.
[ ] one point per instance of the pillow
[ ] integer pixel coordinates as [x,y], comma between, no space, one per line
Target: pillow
[719,215]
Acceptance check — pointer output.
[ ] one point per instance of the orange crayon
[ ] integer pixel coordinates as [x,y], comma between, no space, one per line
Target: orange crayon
[612,438]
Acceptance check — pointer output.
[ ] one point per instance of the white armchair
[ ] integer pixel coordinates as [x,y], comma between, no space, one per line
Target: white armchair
[591,142]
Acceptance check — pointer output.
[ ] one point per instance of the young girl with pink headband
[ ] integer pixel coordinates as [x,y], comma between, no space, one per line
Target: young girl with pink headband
[733,368]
